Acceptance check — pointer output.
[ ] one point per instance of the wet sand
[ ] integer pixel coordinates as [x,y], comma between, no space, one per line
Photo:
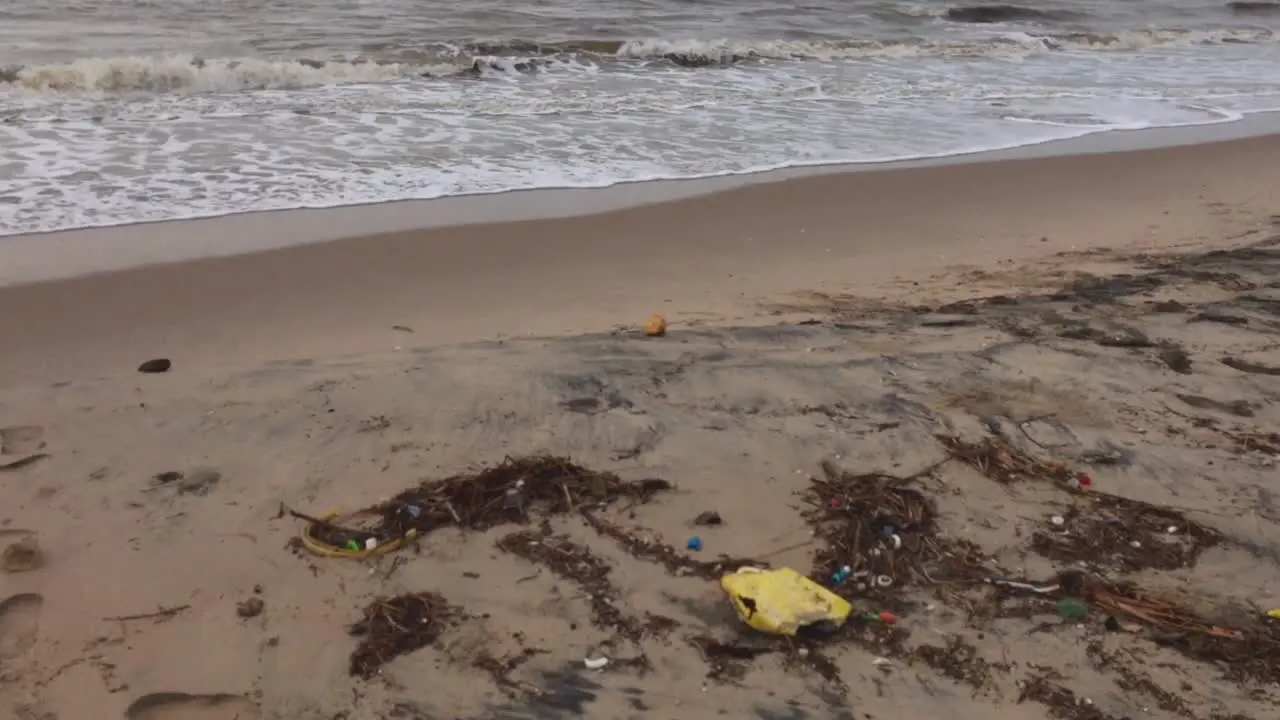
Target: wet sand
[1113,316]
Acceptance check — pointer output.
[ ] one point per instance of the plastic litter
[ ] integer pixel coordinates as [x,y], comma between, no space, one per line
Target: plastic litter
[695,543]
[595,663]
[1274,613]
[1072,609]
[782,601]
[841,575]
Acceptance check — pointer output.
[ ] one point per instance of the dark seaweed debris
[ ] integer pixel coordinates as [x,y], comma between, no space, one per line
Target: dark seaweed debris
[1112,532]
[671,559]
[1248,651]
[884,531]
[590,573]
[1000,461]
[392,627]
[517,490]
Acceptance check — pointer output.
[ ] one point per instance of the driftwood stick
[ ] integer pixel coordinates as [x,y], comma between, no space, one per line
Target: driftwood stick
[161,613]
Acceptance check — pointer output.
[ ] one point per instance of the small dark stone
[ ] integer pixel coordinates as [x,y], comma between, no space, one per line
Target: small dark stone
[1246,366]
[199,481]
[1168,306]
[250,608]
[1124,337]
[167,477]
[1177,359]
[1219,316]
[157,365]
[709,517]
[1111,624]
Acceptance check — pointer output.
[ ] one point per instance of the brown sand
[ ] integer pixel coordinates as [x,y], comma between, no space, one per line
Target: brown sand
[291,386]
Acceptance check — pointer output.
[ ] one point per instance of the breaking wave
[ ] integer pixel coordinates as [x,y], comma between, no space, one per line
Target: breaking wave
[122,75]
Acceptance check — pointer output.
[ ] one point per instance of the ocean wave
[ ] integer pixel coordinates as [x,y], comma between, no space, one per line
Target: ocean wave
[985,14]
[123,75]
[1254,7]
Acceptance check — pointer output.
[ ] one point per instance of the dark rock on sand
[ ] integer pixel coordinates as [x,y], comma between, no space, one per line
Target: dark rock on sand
[1176,358]
[1124,337]
[250,608]
[707,518]
[156,365]
[1239,408]
[1246,366]
[1219,316]
[199,481]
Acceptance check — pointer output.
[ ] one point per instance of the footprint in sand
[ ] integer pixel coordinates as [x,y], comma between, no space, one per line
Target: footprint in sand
[182,706]
[21,439]
[19,625]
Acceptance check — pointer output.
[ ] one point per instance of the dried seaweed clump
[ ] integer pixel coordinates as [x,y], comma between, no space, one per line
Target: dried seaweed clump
[392,627]
[1248,650]
[884,531]
[1000,461]
[577,564]
[672,560]
[516,490]
[1111,532]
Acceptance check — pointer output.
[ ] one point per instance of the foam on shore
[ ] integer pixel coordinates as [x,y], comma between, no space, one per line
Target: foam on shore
[46,256]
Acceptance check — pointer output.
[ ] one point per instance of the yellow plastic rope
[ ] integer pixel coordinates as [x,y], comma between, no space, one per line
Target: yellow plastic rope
[326,550]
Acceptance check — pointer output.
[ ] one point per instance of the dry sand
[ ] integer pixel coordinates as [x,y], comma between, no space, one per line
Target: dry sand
[812,320]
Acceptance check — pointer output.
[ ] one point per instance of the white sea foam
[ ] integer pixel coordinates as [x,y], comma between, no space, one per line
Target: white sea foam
[130,139]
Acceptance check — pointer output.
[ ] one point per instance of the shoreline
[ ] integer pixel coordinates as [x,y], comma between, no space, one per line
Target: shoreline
[62,254]
[707,259]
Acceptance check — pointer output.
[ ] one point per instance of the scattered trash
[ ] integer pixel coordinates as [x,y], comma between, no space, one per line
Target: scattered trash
[1116,533]
[873,508]
[1042,590]
[332,535]
[1274,613]
[1000,461]
[576,563]
[707,518]
[783,601]
[392,627]
[1085,480]
[509,492]
[1111,624]
[595,663]
[841,575]
[250,608]
[156,365]
[22,556]
[896,541]
[1072,609]
[1058,520]
[655,326]
[880,662]
[694,544]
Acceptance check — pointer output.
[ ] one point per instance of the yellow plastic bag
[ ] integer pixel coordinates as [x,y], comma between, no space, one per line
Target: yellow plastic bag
[782,601]
[1274,613]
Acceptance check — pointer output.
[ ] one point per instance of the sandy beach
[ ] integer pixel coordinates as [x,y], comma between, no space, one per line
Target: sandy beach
[1045,391]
